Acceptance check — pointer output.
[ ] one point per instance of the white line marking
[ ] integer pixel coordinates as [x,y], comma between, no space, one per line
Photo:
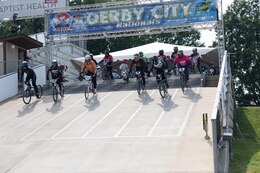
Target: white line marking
[188,113]
[29,134]
[101,137]
[75,119]
[103,118]
[132,116]
[160,117]
[12,129]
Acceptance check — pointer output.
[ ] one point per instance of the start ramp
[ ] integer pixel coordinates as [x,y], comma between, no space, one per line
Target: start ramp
[112,132]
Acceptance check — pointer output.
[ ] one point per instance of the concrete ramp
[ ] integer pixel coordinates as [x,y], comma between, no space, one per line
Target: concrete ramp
[113,132]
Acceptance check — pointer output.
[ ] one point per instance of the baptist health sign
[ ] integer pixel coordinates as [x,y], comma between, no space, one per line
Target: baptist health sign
[27,8]
[163,14]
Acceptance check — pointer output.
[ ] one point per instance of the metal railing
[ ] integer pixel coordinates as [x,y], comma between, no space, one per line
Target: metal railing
[222,119]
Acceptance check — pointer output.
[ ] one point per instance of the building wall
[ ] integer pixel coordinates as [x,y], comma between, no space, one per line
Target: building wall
[1,58]
[11,57]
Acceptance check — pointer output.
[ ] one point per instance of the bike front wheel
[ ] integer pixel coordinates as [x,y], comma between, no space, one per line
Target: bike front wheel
[139,87]
[104,74]
[162,89]
[55,94]
[87,92]
[62,90]
[39,91]
[27,96]
[183,83]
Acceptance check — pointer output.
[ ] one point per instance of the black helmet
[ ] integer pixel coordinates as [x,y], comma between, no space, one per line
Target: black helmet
[161,52]
[180,52]
[106,52]
[141,54]
[175,49]
[194,49]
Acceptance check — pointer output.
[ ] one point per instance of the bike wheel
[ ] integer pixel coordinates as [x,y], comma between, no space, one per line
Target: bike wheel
[62,90]
[87,92]
[55,94]
[182,84]
[39,91]
[27,96]
[139,87]
[162,89]
[104,74]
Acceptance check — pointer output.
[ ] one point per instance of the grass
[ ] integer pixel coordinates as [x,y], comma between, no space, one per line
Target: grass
[246,142]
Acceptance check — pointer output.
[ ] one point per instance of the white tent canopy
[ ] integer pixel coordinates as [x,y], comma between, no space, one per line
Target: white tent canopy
[150,50]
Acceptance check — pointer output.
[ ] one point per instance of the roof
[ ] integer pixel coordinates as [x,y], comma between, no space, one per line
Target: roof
[22,41]
[150,50]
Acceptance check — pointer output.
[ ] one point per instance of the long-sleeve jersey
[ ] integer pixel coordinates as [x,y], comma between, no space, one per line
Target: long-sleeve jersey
[91,67]
[183,61]
[30,73]
[56,72]
[139,64]
[107,60]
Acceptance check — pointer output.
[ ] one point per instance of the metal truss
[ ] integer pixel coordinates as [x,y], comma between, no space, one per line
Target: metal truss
[218,26]
[146,31]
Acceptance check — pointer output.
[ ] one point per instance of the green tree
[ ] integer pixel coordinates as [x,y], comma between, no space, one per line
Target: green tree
[242,33]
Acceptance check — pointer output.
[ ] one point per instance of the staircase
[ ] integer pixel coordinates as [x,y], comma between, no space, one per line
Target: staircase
[211,81]
[63,53]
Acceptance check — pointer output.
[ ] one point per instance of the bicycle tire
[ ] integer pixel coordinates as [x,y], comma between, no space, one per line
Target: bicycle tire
[162,89]
[27,96]
[62,90]
[55,94]
[139,87]
[39,91]
[182,84]
[104,74]
[87,92]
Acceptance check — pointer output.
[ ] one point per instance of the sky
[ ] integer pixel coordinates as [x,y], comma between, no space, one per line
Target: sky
[207,36]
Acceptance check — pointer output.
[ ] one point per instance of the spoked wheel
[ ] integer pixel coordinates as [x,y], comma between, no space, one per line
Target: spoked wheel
[182,84]
[162,89]
[104,74]
[62,90]
[39,91]
[87,92]
[139,87]
[55,94]
[27,96]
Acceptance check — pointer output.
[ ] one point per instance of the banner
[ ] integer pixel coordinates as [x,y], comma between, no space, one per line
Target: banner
[161,14]
[28,8]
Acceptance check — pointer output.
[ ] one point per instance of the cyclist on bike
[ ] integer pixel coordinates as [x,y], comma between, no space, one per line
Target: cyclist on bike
[164,59]
[139,64]
[30,75]
[107,61]
[146,63]
[91,68]
[159,64]
[124,67]
[174,53]
[56,72]
[173,56]
[183,61]
[196,58]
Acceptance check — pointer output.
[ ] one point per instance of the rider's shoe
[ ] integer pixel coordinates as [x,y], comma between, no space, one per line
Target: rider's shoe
[167,85]
[94,91]
[37,95]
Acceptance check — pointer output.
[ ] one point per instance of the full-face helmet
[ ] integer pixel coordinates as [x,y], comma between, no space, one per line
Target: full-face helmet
[54,63]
